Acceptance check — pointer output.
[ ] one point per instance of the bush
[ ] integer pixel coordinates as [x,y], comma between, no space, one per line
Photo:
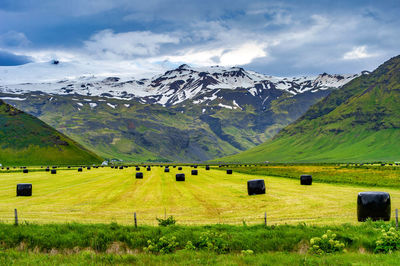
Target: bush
[325,244]
[166,222]
[190,246]
[389,241]
[213,241]
[247,252]
[164,245]
[100,241]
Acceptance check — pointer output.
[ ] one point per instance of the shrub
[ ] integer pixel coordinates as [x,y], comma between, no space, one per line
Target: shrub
[389,241]
[247,252]
[213,241]
[166,222]
[190,246]
[325,244]
[164,245]
[100,241]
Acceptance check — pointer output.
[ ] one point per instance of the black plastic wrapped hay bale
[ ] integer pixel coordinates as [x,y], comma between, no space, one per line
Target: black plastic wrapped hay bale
[306,180]
[121,168]
[179,168]
[79,169]
[256,187]
[194,172]
[69,167]
[24,189]
[47,169]
[374,205]
[88,168]
[112,166]
[25,171]
[148,168]
[166,170]
[137,168]
[229,171]
[139,175]
[180,177]
[194,166]
[53,171]
[207,167]
[174,166]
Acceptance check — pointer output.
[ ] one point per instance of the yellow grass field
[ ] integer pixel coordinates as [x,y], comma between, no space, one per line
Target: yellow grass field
[107,195]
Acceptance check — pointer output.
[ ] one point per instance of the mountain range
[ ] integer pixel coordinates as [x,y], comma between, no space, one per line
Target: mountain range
[185,114]
[359,123]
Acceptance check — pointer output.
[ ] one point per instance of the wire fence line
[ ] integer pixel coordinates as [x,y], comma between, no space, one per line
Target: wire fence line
[131,218]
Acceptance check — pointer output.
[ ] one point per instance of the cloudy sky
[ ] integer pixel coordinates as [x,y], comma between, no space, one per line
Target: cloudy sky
[283,38]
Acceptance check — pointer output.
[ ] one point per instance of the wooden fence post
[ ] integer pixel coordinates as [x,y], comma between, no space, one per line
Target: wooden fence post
[397,219]
[16,216]
[134,215]
[265,218]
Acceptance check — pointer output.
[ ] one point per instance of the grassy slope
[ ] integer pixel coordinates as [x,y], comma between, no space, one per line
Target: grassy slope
[105,195]
[26,140]
[184,132]
[360,122]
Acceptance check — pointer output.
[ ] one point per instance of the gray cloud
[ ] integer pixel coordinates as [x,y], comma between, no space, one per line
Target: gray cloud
[274,37]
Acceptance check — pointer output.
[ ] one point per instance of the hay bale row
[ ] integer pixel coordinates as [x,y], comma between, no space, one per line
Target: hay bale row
[180,177]
[139,175]
[24,189]
[373,205]
[255,187]
[306,180]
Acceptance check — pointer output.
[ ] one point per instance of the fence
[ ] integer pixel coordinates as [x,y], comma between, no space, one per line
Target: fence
[128,218]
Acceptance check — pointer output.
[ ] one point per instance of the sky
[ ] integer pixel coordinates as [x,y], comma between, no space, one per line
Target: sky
[281,38]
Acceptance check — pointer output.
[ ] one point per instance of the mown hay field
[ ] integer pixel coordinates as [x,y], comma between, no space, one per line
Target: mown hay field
[107,195]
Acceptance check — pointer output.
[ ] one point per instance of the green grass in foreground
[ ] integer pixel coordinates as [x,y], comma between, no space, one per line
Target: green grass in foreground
[9,257]
[80,244]
[128,239]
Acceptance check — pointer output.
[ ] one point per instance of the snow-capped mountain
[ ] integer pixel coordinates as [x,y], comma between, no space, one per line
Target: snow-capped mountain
[185,114]
[170,88]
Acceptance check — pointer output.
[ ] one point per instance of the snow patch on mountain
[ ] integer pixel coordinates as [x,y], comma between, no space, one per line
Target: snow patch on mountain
[201,84]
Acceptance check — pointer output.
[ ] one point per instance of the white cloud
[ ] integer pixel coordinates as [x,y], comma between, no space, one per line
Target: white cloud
[243,54]
[127,45]
[358,52]
[13,39]
[240,54]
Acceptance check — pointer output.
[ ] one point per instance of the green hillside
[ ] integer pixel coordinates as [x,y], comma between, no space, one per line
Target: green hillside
[360,122]
[26,140]
[185,132]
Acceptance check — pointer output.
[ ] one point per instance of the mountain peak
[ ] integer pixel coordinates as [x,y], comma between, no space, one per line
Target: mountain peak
[184,67]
